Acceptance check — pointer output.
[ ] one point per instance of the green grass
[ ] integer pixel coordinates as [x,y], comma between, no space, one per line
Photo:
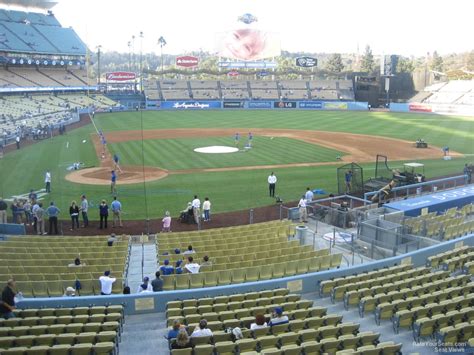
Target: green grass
[24,169]
[173,154]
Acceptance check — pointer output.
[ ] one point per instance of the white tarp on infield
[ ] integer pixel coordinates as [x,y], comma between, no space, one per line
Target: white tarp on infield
[216,149]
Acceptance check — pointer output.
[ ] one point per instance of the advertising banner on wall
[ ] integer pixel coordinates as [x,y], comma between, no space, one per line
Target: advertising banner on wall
[284,104]
[190,105]
[120,76]
[317,105]
[248,65]
[260,104]
[233,104]
[306,62]
[416,107]
[187,61]
[335,105]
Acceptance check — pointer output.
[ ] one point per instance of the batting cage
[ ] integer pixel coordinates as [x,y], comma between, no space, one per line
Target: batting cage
[350,179]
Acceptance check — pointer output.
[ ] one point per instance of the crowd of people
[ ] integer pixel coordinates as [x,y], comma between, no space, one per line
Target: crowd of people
[180,337]
[31,211]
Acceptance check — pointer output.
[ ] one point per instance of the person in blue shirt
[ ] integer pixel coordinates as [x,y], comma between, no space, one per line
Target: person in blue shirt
[278,317]
[178,269]
[113,181]
[166,269]
[52,212]
[117,212]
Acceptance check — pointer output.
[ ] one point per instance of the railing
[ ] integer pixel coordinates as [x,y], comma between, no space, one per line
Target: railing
[417,189]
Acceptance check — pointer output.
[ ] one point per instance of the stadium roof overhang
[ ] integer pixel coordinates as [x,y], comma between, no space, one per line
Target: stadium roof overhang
[39,4]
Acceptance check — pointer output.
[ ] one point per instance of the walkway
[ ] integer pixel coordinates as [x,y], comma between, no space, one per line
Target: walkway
[143,263]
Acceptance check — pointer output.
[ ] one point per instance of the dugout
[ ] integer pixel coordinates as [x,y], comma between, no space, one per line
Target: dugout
[356,186]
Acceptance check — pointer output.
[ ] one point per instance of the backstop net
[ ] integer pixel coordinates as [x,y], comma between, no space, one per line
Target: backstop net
[350,179]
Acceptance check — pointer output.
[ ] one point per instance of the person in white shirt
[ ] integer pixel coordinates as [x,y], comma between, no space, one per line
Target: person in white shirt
[206,207]
[191,266]
[259,322]
[272,179]
[302,209]
[202,330]
[106,283]
[189,251]
[309,195]
[145,286]
[196,208]
[47,181]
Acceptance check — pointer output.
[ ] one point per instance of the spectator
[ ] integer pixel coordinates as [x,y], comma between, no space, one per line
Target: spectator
[116,212]
[77,263]
[126,290]
[106,283]
[177,251]
[302,209]
[259,322]
[191,266]
[309,195]
[205,261]
[52,212]
[111,240]
[103,214]
[74,213]
[39,213]
[32,196]
[174,331]
[157,283]
[166,222]
[189,251]
[196,209]
[166,268]
[278,317]
[178,269]
[145,286]
[206,207]
[202,330]
[3,211]
[84,209]
[182,341]
[70,292]
[7,306]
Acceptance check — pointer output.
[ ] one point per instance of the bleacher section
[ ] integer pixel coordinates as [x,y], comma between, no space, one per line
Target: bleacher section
[174,90]
[205,90]
[262,90]
[451,224]
[44,266]
[310,329]
[43,110]
[234,89]
[429,301]
[242,254]
[243,90]
[37,33]
[453,92]
[294,89]
[78,330]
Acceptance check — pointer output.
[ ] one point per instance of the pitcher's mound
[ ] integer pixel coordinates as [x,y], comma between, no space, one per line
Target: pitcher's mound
[129,175]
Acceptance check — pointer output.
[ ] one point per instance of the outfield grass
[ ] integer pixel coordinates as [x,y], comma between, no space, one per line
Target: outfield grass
[24,169]
[173,154]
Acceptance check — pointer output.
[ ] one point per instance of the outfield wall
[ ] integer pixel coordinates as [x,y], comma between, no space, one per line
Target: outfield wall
[156,302]
[255,105]
[446,109]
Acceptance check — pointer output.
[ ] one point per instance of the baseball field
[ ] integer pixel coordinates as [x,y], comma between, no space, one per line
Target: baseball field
[303,148]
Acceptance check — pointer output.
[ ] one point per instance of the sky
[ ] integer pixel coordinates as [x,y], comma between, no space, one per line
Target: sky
[406,27]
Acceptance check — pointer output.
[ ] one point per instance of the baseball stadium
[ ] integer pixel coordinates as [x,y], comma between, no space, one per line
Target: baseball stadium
[248,199]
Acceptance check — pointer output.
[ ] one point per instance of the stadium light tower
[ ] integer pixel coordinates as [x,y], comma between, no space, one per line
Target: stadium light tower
[129,44]
[141,61]
[162,43]
[98,63]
